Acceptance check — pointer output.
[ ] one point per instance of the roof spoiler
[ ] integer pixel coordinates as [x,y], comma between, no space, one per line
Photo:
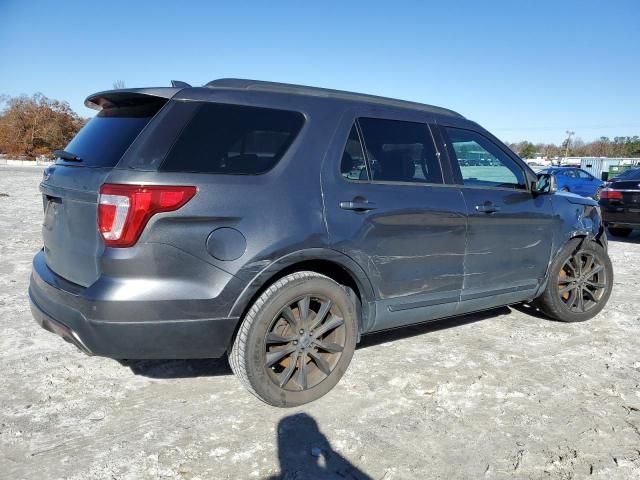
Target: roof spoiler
[130,96]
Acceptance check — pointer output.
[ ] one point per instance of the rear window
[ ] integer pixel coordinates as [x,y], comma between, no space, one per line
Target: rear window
[233,139]
[633,174]
[102,141]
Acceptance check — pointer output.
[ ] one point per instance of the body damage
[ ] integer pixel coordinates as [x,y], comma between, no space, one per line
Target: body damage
[577,217]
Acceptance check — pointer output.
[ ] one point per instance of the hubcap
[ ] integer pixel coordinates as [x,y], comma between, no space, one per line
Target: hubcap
[582,282]
[304,343]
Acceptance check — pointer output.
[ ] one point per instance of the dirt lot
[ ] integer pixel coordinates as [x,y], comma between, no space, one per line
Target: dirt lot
[498,395]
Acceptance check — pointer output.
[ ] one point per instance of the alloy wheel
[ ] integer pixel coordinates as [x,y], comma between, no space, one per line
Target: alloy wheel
[582,282]
[304,343]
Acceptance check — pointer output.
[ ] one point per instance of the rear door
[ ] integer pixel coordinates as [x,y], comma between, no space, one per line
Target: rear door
[509,230]
[389,208]
[72,244]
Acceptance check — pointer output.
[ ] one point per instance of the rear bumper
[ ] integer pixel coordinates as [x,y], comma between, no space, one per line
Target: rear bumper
[620,216]
[126,329]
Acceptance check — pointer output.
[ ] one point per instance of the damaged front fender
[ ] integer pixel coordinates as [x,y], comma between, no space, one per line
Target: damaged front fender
[579,218]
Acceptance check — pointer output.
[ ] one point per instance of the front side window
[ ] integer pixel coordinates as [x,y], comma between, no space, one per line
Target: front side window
[583,175]
[400,151]
[482,163]
[353,164]
[233,139]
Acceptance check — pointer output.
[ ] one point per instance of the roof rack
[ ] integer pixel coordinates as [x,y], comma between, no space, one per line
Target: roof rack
[247,84]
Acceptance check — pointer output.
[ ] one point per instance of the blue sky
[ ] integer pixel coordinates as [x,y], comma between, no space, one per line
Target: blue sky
[524,70]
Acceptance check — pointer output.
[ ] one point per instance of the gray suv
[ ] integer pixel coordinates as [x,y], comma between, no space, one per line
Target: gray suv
[278,223]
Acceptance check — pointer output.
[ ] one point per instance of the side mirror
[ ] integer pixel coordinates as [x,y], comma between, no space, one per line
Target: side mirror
[546,184]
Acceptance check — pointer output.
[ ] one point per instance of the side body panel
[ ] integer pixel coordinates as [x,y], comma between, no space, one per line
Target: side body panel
[508,249]
[411,245]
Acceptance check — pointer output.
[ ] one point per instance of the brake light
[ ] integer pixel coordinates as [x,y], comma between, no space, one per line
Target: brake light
[609,194]
[124,210]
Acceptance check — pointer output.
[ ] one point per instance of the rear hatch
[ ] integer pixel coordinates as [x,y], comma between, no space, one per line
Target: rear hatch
[72,243]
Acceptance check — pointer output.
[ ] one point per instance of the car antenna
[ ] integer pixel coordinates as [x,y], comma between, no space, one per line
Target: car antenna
[179,84]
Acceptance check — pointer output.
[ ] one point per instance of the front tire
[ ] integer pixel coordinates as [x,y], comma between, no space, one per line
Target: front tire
[296,341]
[579,284]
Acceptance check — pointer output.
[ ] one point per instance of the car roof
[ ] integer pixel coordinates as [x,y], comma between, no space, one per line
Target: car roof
[293,89]
[119,97]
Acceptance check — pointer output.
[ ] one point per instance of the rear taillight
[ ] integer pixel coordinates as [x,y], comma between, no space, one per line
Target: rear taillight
[124,210]
[609,194]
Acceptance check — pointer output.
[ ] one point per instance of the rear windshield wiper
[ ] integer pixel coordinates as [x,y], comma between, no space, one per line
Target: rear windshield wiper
[68,156]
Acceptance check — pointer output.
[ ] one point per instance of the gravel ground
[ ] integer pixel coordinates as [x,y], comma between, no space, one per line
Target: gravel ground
[500,395]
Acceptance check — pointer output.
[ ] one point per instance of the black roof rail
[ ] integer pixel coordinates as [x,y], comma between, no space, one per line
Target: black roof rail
[247,84]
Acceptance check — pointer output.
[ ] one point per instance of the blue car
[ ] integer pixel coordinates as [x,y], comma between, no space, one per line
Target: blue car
[577,181]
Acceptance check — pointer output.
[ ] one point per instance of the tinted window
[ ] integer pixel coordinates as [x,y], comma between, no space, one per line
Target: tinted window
[568,173]
[633,174]
[103,140]
[233,139]
[400,151]
[482,162]
[353,165]
[583,175]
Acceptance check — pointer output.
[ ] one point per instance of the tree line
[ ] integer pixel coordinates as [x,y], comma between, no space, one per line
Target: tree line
[36,125]
[602,147]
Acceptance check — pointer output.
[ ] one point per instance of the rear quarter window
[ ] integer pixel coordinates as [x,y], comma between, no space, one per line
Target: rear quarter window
[233,139]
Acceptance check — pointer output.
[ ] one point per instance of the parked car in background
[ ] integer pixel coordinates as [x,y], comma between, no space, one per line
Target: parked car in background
[632,173]
[620,203]
[576,180]
[278,223]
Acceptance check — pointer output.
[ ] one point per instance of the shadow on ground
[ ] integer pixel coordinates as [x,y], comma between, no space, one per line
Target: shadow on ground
[213,367]
[205,367]
[304,452]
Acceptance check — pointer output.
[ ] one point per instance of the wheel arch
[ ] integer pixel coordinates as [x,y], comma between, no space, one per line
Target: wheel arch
[579,234]
[335,265]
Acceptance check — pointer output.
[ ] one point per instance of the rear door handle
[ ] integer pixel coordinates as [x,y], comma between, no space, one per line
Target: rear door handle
[358,205]
[487,207]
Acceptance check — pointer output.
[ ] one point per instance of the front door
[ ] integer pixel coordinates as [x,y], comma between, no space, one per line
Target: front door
[388,207]
[510,229]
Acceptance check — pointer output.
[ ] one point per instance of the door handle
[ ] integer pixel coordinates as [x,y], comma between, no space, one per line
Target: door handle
[487,207]
[358,205]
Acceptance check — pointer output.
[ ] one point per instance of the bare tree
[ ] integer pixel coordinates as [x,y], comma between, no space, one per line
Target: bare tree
[119,84]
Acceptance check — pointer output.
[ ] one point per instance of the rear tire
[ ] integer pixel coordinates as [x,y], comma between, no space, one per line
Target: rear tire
[579,283]
[619,231]
[296,341]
